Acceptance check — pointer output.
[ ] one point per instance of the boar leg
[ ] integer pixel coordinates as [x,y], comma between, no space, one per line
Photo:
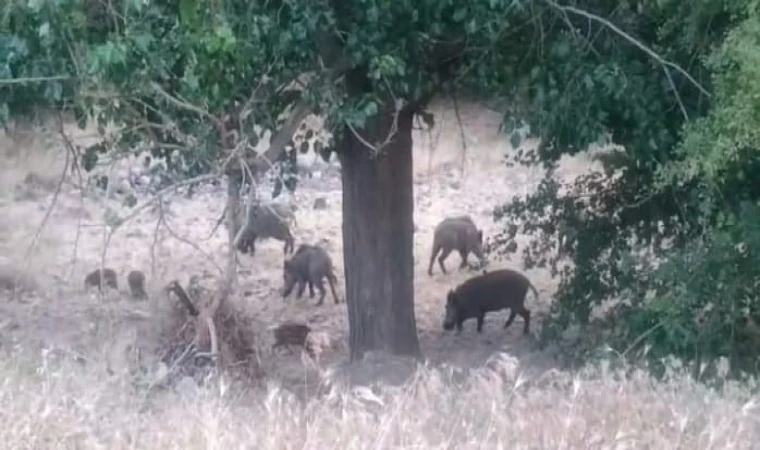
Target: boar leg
[436,249]
[459,325]
[250,245]
[322,291]
[512,315]
[444,254]
[525,313]
[331,280]
[301,288]
[289,244]
[481,318]
[463,254]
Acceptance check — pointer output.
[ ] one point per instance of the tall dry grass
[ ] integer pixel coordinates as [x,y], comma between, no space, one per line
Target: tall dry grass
[60,405]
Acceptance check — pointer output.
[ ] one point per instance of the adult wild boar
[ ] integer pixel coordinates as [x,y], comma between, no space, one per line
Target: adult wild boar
[491,291]
[309,265]
[456,233]
[267,221]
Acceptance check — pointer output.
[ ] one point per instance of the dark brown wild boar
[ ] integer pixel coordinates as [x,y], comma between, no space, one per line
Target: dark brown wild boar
[456,233]
[136,283]
[309,265]
[267,221]
[94,278]
[492,291]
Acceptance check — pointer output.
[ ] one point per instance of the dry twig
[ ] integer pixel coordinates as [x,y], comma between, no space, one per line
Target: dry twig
[48,212]
[461,132]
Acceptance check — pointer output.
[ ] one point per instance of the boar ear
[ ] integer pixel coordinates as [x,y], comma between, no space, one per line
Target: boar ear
[450,297]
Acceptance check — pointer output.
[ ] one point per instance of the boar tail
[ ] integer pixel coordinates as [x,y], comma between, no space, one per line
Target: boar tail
[533,288]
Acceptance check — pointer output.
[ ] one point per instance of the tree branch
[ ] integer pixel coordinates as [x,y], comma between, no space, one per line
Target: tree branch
[632,40]
[6,81]
[185,105]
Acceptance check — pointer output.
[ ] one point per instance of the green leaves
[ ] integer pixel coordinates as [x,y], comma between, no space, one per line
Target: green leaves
[672,197]
[109,56]
[386,67]
[460,14]
[220,40]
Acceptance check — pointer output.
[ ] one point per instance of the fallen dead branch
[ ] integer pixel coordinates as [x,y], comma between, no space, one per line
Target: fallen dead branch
[211,334]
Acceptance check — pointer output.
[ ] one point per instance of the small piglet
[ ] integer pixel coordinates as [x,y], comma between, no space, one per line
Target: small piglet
[292,333]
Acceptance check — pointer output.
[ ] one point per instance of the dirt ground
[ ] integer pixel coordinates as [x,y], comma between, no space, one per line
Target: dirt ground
[59,314]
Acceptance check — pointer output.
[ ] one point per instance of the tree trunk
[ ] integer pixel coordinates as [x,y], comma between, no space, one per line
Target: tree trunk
[378,238]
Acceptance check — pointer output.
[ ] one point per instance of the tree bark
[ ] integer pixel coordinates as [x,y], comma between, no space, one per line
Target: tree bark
[378,235]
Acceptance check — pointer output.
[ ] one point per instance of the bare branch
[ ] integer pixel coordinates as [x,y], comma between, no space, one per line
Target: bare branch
[675,92]
[181,294]
[165,223]
[49,211]
[632,40]
[278,142]
[212,336]
[138,209]
[376,149]
[461,130]
[245,109]
[7,81]
[153,249]
[185,105]
[75,169]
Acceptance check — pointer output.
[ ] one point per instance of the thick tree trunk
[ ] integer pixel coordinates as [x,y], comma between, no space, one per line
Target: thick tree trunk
[378,234]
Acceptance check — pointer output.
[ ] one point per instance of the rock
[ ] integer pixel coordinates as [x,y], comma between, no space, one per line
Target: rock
[320,203]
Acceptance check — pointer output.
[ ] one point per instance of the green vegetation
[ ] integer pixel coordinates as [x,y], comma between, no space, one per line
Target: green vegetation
[674,83]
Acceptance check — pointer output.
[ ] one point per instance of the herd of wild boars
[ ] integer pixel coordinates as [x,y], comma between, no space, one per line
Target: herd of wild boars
[490,291]
[311,264]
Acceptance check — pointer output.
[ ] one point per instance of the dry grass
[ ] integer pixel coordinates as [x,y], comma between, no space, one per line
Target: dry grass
[58,405]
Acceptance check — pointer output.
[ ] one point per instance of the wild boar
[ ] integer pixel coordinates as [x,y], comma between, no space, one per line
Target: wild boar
[267,221]
[456,233]
[94,278]
[309,265]
[491,291]
[136,283]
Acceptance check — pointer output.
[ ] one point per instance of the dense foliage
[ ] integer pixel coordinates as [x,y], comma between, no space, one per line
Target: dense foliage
[668,224]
